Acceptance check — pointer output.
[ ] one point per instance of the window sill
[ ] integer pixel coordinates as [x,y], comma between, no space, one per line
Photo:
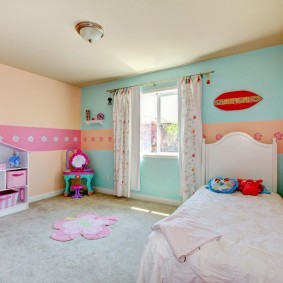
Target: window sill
[165,155]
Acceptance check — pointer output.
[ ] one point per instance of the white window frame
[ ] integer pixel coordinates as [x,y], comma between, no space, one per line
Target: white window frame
[160,93]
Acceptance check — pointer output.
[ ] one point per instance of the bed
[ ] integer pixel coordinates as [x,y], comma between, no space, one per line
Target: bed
[221,237]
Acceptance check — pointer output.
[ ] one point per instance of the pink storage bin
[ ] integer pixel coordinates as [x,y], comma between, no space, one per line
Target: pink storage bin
[16,178]
[8,198]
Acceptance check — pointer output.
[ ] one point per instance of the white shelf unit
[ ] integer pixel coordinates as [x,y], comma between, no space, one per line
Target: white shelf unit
[5,153]
[95,121]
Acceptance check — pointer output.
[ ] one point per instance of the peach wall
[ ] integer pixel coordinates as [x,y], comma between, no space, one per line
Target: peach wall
[46,172]
[31,100]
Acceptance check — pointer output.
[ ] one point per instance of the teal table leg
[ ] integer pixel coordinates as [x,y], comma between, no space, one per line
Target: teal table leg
[89,178]
[67,179]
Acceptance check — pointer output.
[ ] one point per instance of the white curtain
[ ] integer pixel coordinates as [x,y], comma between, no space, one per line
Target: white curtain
[135,140]
[126,141]
[190,95]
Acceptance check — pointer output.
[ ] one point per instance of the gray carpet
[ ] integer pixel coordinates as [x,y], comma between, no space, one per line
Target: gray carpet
[28,255]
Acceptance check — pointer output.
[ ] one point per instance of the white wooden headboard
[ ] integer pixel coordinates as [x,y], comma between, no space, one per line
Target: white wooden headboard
[238,155]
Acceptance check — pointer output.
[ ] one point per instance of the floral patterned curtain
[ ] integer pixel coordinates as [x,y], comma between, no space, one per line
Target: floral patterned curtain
[126,150]
[190,91]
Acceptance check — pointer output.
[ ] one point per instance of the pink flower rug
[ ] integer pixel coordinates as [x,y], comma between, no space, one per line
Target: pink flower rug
[88,225]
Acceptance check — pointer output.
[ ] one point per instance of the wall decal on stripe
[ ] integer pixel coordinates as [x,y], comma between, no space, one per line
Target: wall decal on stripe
[278,136]
[101,139]
[258,136]
[236,100]
[40,139]
[218,137]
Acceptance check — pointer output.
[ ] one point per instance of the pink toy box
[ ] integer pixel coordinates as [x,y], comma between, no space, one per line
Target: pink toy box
[8,198]
[16,178]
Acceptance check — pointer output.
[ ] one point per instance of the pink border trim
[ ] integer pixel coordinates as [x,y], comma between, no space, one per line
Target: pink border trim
[40,139]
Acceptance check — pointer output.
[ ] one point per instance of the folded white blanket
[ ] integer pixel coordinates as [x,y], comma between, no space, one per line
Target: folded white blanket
[185,237]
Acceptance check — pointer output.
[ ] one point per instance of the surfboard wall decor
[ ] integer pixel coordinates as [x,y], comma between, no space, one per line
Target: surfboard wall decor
[236,100]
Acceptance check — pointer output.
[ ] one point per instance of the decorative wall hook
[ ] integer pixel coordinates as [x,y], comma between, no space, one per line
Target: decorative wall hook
[109,101]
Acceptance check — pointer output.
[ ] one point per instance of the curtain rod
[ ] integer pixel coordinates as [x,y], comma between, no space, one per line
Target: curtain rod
[160,81]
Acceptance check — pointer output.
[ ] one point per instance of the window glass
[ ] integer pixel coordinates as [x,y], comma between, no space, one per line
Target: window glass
[159,122]
[148,123]
[169,123]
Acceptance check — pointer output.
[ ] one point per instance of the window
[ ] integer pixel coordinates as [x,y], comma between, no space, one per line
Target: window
[159,122]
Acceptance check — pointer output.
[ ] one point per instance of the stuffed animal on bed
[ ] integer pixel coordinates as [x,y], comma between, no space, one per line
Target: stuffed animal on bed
[250,187]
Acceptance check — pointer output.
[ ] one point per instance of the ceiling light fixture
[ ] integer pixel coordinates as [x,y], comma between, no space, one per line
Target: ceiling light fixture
[92,32]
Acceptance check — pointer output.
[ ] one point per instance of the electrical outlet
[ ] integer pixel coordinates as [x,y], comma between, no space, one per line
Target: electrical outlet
[106,178]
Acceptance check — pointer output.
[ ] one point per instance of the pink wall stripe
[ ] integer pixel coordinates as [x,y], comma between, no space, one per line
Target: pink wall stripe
[40,139]
[45,139]
[262,131]
[97,139]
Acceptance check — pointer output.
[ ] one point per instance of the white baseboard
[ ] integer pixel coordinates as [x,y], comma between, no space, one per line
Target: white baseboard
[45,196]
[103,191]
[111,192]
[141,197]
[18,207]
[155,199]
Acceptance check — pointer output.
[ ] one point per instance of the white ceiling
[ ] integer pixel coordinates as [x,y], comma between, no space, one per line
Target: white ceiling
[141,36]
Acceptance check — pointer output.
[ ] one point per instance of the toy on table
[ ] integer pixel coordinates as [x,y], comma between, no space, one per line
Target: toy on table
[77,168]
[14,160]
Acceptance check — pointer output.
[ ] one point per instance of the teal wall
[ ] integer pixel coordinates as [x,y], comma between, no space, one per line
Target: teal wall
[159,177]
[259,71]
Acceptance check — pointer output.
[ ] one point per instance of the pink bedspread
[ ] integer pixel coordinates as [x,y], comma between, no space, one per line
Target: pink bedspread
[185,235]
